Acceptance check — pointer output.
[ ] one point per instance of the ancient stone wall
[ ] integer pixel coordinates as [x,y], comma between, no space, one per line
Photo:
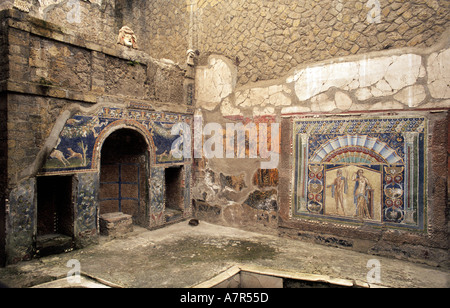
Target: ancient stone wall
[266,39]
[373,74]
[63,91]
[3,140]
[47,62]
[370,96]
[3,54]
[163,27]
[3,175]
[92,20]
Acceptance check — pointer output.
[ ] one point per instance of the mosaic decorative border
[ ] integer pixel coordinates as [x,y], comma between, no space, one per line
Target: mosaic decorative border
[361,170]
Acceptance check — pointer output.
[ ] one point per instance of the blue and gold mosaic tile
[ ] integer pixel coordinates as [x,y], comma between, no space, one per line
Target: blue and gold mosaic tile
[370,170]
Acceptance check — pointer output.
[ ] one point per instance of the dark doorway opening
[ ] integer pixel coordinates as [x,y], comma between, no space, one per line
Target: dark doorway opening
[174,193]
[55,215]
[123,176]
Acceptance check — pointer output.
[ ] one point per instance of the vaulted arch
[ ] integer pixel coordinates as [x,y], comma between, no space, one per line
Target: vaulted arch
[356,149]
[117,125]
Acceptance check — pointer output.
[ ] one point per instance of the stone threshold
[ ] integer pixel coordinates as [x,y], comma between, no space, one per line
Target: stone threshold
[252,276]
[85,282]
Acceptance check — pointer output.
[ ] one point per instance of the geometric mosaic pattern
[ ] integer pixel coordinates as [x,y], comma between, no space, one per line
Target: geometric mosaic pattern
[356,170]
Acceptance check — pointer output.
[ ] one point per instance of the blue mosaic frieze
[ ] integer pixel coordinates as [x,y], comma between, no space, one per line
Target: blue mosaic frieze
[75,151]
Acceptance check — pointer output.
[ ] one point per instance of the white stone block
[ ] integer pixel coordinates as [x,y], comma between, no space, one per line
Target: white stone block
[439,74]
[412,96]
[214,82]
[404,71]
[343,101]
[372,70]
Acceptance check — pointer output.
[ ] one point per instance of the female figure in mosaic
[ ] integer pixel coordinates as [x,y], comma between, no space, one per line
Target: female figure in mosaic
[361,194]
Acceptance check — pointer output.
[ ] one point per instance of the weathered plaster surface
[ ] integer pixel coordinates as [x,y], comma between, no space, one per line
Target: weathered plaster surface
[400,82]
[379,81]
[214,82]
[439,74]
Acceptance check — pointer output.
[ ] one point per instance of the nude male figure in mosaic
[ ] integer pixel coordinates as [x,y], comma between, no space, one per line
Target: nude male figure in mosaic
[338,189]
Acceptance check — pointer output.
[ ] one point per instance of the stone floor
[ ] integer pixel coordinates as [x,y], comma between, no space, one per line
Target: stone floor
[183,256]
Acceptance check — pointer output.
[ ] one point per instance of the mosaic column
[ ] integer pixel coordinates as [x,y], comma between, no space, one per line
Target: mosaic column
[21,226]
[157,182]
[86,209]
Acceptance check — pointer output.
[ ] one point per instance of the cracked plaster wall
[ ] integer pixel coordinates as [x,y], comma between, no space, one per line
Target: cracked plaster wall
[394,80]
[266,39]
[385,82]
[261,61]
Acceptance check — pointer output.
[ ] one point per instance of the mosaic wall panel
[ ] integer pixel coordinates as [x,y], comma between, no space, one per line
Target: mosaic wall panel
[361,169]
[87,203]
[157,201]
[187,189]
[76,149]
[21,222]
